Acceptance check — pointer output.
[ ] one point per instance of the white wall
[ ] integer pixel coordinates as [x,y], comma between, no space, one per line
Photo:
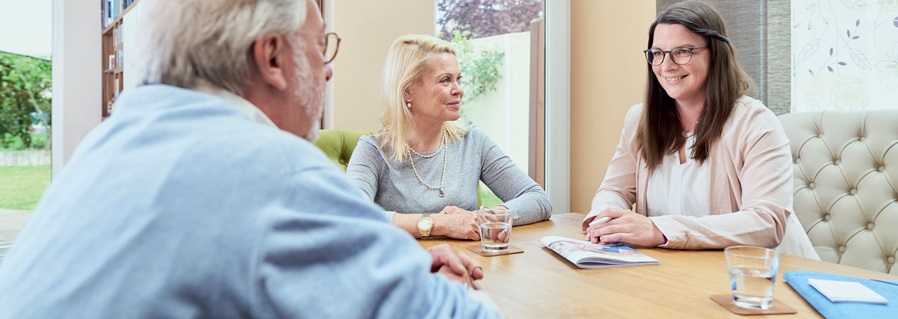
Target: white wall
[368,28]
[130,25]
[76,75]
[559,59]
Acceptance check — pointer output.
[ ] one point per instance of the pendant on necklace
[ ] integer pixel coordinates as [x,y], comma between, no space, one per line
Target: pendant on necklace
[441,193]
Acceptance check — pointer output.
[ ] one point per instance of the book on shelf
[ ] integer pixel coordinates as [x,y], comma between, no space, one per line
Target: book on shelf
[107,16]
[115,84]
[119,55]
[112,9]
[109,106]
[104,15]
[117,35]
[584,254]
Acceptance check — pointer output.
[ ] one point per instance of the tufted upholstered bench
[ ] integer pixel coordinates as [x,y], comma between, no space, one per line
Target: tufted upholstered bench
[846,184]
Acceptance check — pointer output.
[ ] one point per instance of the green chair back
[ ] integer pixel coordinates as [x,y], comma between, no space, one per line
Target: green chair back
[338,145]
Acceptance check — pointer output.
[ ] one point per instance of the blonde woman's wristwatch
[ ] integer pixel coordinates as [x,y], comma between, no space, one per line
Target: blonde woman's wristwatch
[425,225]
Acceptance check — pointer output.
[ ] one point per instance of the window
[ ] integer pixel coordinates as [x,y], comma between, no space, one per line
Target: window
[501,49]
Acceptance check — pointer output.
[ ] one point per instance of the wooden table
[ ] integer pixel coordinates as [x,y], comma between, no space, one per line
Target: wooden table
[541,284]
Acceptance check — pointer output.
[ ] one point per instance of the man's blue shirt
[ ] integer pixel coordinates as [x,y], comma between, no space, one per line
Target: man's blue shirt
[180,206]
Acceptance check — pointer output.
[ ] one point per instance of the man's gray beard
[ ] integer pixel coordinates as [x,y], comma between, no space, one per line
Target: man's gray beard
[310,93]
[312,135]
[314,107]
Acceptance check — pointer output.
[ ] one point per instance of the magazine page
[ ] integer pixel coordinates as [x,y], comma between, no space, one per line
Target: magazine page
[588,255]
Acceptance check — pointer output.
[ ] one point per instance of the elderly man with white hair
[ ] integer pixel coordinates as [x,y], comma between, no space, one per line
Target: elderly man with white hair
[198,198]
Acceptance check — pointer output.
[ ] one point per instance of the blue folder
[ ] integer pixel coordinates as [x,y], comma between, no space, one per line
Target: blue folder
[888,289]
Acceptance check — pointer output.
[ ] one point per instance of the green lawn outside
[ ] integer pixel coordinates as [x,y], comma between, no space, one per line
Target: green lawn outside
[487,198]
[22,186]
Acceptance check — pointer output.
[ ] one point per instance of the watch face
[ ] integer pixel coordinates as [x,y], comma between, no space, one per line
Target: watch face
[425,223]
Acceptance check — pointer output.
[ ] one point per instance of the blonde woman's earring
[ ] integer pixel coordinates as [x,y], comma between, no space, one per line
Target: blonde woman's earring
[408,104]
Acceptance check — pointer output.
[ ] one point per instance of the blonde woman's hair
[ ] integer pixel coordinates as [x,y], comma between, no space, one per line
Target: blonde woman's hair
[210,40]
[407,60]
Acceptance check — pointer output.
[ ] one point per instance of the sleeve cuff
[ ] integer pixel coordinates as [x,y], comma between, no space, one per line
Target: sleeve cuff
[674,234]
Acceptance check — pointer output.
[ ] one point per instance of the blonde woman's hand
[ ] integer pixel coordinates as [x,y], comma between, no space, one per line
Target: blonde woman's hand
[502,233]
[454,222]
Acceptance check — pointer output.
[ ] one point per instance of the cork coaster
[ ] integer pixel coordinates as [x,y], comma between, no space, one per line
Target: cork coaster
[477,249]
[777,308]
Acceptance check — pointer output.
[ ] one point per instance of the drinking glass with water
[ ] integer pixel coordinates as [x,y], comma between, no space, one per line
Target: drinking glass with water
[753,273]
[495,228]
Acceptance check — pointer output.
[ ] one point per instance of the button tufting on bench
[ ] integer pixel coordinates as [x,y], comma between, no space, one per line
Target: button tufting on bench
[848,187]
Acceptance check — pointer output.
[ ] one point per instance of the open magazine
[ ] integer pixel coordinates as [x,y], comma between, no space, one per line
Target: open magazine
[588,255]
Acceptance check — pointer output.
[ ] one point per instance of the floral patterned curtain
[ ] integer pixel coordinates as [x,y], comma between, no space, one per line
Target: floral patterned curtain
[844,54]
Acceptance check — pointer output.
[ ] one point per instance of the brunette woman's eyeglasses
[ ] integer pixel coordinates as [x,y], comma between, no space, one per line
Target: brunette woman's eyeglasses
[680,55]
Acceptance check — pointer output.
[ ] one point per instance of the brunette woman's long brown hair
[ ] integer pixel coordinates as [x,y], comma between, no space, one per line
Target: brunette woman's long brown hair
[659,131]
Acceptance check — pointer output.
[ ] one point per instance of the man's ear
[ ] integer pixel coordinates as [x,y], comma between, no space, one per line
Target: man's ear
[270,52]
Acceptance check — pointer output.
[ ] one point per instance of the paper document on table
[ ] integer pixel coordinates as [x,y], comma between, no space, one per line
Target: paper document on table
[584,254]
[846,291]
[800,281]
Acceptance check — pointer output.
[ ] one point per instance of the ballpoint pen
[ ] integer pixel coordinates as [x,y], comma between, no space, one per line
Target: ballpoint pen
[599,221]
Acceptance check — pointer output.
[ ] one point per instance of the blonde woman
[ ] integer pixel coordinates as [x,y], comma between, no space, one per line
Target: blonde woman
[422,167]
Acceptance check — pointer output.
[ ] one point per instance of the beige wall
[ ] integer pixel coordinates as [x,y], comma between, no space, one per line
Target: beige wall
[367,29]
[607,77]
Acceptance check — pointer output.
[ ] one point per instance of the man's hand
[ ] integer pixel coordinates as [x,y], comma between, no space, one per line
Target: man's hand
[455,265]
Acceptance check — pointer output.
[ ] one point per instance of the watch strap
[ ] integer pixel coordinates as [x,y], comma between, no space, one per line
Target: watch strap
[425,232]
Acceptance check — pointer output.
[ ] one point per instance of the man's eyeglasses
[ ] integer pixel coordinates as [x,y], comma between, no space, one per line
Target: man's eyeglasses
[330,47]
[329,44]
[677,55]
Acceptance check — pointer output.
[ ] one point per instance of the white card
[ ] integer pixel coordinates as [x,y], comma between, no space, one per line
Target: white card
[846,291]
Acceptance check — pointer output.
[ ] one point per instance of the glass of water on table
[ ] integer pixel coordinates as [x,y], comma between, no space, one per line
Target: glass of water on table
[495,228]
[753,273]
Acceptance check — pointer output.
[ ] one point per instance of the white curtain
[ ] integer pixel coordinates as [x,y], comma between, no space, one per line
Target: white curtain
[844,54]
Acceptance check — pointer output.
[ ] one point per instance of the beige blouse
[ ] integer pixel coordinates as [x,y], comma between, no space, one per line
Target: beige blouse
[678,189]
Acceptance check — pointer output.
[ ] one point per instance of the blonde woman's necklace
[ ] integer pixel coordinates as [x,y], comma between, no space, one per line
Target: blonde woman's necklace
[442,144]
[409,151]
